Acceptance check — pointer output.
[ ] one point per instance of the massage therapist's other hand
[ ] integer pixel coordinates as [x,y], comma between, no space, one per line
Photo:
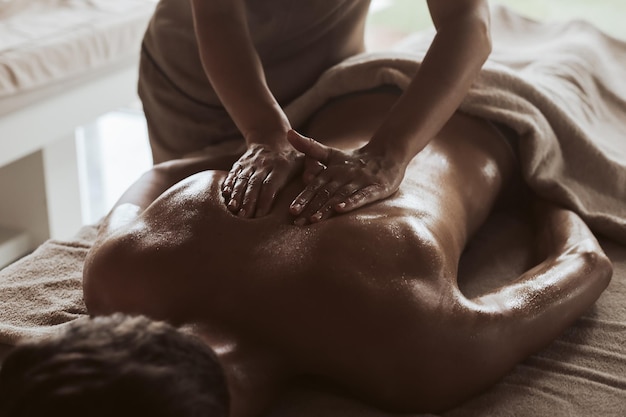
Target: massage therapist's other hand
[339,181]
[256,178]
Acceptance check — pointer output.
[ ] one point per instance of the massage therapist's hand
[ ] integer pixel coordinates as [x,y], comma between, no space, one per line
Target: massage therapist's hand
[340,181]
[256,178]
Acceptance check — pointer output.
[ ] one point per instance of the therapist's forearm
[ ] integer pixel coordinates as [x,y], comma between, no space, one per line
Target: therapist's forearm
[235,70]
[450,66]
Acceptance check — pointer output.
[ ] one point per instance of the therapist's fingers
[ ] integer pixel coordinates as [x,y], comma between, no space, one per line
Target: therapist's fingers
[312,168]
[239,189]
[323,196]
[361,198]
[229,182]
[309,146]
[305,196]
[330,207]
[272,184]
[251,194]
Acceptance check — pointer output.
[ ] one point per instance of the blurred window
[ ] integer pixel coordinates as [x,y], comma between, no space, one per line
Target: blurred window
[393,18]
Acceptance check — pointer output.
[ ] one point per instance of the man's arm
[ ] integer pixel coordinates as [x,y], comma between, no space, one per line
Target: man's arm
[540,304]
[492,333]
[519,319]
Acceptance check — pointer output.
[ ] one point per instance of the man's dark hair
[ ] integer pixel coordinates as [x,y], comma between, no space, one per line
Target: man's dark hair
[114,366]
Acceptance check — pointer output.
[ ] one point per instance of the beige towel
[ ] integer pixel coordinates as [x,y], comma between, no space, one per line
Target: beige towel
[44,289]
[561,87]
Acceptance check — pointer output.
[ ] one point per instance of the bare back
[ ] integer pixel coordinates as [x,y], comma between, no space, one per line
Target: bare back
[359,280]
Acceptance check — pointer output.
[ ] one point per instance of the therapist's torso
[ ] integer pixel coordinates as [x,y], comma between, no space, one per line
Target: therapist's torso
[296,40]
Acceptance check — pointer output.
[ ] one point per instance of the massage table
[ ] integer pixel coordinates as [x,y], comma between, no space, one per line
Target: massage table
[583,372]
[63,63]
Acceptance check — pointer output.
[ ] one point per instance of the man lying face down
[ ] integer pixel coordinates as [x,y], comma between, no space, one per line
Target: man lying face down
[366,302]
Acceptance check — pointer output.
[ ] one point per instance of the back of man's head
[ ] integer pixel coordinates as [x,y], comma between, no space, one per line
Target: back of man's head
[114,366]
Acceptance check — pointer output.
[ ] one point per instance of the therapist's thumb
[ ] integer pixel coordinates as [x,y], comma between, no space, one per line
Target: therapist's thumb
[308,146]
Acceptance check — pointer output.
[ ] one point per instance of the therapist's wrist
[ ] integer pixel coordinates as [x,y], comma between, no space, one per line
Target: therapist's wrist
[394,153]
[272,138]
[269,128]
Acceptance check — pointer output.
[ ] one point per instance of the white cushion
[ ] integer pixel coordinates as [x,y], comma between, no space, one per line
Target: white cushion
[45,43]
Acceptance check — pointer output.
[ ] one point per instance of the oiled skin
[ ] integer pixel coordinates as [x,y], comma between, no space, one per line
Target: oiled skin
[367,300]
